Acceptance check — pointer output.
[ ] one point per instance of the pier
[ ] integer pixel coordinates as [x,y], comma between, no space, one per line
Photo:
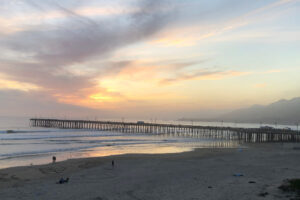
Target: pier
[206,132]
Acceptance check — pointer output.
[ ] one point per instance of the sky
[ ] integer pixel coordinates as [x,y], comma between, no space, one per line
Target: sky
[146,58]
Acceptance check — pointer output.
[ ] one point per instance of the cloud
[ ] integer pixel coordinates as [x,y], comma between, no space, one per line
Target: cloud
[80,38]
[74,51]
[202,75]
[40,104]
[272,71]
[148,70]
[16,85]
[49,50]
[165,72]
[193,29]
[48,54]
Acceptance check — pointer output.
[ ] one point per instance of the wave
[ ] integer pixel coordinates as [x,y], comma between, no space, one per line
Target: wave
[10,131]
[97,141]
[71,149]
[43,152]
[55,136]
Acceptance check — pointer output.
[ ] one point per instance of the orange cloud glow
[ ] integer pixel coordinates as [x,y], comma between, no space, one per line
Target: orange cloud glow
[15,85]
[92,98]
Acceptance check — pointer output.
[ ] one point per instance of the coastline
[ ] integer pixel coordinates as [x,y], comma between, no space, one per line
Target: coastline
[205,173]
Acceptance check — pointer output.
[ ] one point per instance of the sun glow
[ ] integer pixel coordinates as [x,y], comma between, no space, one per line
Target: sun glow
[101,97]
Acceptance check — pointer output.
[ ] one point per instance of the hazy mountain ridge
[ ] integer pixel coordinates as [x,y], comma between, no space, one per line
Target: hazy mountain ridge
[282,111]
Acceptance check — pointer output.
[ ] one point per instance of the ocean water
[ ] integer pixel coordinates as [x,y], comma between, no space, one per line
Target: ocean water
[31,146]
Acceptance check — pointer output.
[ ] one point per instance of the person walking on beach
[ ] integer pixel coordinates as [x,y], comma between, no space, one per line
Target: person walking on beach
[112,163]
[53,159]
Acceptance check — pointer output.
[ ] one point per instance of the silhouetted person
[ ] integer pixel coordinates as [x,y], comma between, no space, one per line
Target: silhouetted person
[53,159]
[113,163]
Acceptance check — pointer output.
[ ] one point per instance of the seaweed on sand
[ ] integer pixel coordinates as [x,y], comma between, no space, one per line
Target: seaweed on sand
[291,185]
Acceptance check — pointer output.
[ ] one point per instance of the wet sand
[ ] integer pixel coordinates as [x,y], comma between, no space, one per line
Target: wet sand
[201,174]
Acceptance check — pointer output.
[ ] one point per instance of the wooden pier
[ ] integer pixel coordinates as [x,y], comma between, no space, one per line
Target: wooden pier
[205,132]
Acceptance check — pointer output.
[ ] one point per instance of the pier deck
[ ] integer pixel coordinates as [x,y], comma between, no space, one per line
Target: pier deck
[207,132]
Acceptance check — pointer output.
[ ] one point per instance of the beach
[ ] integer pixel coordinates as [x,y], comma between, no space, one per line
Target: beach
[253,172]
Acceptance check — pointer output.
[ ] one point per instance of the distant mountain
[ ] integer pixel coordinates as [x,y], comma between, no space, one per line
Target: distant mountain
[281,112]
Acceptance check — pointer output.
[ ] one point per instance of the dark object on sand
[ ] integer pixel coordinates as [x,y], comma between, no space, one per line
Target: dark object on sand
[209,187]
[290,185]
[53,159]
[112,163]
[62,181]
[238,174]
[263,194]
[251,182]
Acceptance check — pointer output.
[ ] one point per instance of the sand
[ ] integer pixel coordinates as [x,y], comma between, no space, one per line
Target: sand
[201,174]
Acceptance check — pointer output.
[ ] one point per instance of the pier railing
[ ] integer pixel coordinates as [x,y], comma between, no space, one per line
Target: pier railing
[207,132]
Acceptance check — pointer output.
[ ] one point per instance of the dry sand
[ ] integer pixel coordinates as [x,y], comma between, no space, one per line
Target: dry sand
[201,174]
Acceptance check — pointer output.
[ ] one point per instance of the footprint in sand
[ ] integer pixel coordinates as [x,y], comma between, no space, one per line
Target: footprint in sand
[89,164]
[52,170]
[3,177]
[99,198]
[14,177]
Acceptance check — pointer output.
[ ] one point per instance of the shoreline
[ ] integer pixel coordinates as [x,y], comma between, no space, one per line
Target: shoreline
[188,175]
[112,150]
[195,152]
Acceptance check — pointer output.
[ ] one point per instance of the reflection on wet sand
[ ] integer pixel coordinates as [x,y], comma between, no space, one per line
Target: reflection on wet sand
[158,148]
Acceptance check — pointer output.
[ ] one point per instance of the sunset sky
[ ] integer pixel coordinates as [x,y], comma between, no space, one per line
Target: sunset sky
[146,58]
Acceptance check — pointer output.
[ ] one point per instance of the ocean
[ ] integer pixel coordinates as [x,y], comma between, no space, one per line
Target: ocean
[32,146]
